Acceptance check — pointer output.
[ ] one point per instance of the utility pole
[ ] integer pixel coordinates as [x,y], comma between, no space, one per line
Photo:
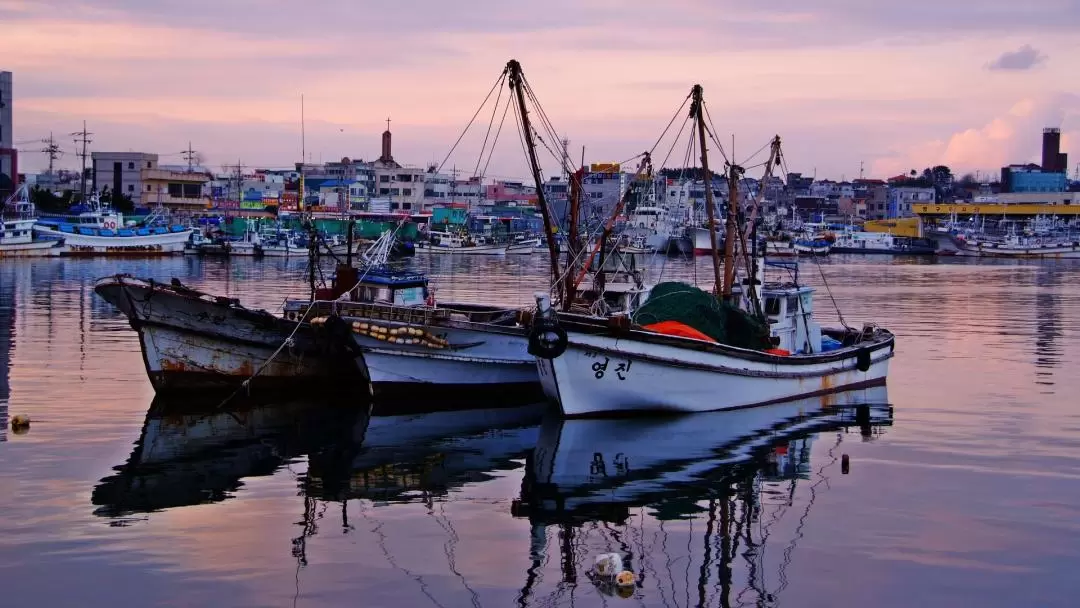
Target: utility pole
[190,156]
[860,170]
[82,137]
[53,152]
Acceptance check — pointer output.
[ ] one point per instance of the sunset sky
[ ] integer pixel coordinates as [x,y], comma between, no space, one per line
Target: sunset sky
[897,85]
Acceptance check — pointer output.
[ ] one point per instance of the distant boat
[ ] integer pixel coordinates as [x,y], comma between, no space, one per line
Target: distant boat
[854,241]
[100,230]
[449,243]
[17,238]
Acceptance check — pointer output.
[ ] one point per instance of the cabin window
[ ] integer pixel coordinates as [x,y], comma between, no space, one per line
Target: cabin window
[772,306]
[793,305]
[411,296]
[383,294]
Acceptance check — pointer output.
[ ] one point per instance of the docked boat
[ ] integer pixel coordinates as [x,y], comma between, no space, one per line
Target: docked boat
[414,345]
[194,341]
[812,246]
[775,247]
[248,245]
[880,243]
[200,244]
[450,243]
[522,245]
[753,343]
[1018,246]
[17,237]
[280,243]
[99,230]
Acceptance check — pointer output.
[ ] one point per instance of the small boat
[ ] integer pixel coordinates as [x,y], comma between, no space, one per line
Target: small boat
[280,243]
[99,230]
[1018,246]
[812,246]
[779,248]
[17,237]
[883,243]
[449,243]
[194,341]
[523,246]
[200,244]
[248,245]
[413,345]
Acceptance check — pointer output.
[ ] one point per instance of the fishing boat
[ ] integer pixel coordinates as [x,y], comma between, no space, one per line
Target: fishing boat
[761,344]
[281,243]
[414,345]
[17,238]
[248,245]
[880,243]
[523,245]
[193,341]
[449,243]
[100,230]
[732,488]
[813,245]
[1018,246]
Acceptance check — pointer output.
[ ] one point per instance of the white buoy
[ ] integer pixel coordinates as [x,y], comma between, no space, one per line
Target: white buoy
[608,564]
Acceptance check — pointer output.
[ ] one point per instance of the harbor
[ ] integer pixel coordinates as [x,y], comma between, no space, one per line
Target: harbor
[563,361]
[298,487]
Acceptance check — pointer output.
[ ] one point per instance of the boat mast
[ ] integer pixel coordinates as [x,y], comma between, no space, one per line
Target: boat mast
[734,174]
[697,111]
[516,80]
[572,245]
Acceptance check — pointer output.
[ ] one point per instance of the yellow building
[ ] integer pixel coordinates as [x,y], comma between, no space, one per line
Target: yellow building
[175,190]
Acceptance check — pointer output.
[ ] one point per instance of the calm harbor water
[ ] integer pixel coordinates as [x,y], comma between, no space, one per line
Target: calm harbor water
[966,491]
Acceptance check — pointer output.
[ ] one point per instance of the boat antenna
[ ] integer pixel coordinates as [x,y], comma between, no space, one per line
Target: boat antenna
[518,84]
[696,112]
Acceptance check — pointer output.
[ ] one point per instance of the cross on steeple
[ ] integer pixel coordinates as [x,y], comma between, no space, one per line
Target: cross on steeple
[387,123]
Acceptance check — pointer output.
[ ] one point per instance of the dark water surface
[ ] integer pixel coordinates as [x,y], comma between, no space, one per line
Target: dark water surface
[965,492]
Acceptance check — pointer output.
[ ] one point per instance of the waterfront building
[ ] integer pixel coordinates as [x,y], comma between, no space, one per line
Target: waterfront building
[123,172]
[901,199]
[174,189]
[1032,178]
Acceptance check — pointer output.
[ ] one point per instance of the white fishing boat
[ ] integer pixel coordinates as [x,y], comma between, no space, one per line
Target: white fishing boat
[413,345]
[884,243]
[764,346]
[248,245]
[524,246]
[16,229]
[280,243]
[779,248]
[1019,246]
[101,231]
[812,246]
[449,243]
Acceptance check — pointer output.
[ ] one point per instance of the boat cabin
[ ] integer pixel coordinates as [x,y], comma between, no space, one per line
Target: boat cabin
[788,308]
[790,312]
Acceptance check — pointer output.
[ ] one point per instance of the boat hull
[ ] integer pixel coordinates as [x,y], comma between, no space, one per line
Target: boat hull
[478,359]
[33,249]
[153,244]
[604,375]
[197,343]
[886,251]
[812,249]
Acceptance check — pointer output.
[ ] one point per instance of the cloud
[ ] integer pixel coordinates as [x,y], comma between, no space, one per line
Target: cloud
[1013,137]
[1025,58]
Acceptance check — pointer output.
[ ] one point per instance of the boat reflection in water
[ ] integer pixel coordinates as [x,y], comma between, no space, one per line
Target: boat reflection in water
[192,451]
[738,470]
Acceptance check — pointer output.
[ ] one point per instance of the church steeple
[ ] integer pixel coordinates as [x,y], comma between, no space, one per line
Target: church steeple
[387,156]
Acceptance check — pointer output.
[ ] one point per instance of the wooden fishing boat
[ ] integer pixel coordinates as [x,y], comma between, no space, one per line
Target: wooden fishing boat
[194,341]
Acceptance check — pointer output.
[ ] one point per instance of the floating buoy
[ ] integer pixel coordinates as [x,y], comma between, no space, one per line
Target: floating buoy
[20,423]
[608,564]
[624,579]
